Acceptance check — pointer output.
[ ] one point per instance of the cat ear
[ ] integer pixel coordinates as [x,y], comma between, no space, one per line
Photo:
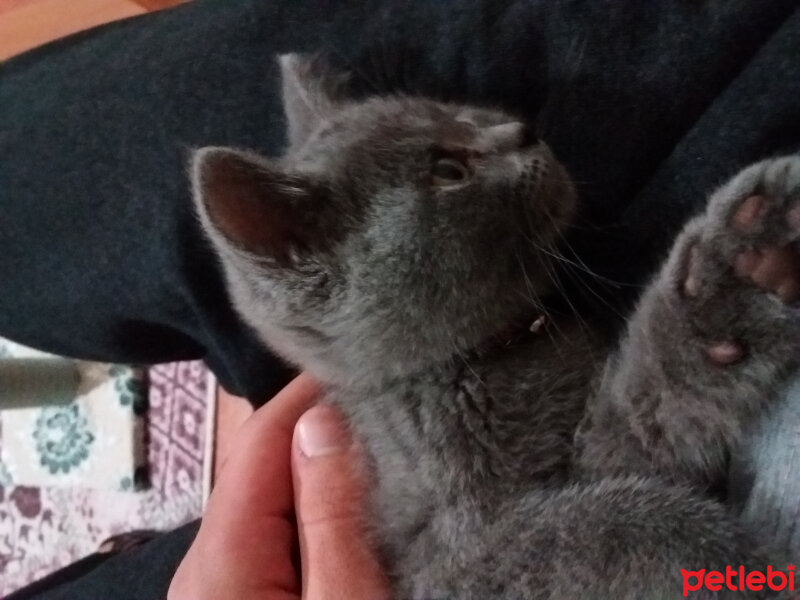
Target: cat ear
[310,94]
[254,205]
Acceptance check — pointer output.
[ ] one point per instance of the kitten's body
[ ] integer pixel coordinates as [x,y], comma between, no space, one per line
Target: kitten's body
[501,423]
[444,470]
[392,252]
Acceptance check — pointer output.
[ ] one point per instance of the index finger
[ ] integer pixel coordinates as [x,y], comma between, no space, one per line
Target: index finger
[247,538]
[259,460]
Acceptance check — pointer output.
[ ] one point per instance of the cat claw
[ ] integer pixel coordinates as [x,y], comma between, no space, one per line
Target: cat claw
[691,285]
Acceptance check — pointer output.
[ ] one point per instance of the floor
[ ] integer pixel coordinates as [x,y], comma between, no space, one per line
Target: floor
[46,527]
[25,24]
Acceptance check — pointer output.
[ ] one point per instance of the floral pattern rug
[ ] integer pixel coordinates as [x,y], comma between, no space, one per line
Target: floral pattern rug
[70,423]
[45,528]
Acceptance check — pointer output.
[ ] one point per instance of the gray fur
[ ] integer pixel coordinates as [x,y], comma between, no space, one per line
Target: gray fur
[397,290]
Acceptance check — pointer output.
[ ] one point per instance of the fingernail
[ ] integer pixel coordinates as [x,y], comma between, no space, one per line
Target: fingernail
[321,431]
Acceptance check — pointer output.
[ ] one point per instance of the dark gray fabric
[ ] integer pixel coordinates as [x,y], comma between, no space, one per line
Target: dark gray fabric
[649,105]
[143,573]
[756,114]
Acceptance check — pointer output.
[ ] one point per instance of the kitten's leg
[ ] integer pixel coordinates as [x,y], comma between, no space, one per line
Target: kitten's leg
[713,338]
[617,539]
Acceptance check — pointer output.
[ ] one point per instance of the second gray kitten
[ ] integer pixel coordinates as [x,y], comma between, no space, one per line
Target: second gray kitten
[399,251]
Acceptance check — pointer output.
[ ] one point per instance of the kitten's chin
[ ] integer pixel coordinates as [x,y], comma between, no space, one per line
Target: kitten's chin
[556,192]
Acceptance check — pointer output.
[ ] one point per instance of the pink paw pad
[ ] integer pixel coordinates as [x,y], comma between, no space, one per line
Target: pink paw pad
[775,269]
[725,353]
[749,214]
[793,218]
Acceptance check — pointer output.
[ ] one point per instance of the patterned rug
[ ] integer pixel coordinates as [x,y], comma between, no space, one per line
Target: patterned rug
[45,528]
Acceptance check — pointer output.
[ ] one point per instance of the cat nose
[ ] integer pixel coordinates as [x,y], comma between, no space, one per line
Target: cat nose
[528,137]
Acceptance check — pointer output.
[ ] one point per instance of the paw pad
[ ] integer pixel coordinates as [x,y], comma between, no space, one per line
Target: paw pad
[747,217]
[775,269]
[725,353]
[793,218]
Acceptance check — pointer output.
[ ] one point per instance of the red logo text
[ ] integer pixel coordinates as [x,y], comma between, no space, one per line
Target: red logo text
[738,580]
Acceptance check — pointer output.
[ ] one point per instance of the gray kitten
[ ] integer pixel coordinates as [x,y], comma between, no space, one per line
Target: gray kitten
[398,252]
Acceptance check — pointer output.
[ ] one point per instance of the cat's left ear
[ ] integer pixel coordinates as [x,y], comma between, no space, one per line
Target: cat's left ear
[254,205]
[311,94]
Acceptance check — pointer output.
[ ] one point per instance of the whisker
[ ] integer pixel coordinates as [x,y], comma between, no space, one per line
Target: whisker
[553,274]
[467,364]
[537,304]
[554,280]
[579,265]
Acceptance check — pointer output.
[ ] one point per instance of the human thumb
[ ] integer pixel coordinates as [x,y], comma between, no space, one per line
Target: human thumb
[330,502]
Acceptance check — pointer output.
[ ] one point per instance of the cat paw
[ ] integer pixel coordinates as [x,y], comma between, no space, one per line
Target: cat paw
[746,243]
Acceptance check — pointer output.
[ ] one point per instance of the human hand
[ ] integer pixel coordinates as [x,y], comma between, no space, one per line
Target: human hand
[290,458]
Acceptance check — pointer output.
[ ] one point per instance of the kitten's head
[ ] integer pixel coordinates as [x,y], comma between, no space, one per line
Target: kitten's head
[395,233]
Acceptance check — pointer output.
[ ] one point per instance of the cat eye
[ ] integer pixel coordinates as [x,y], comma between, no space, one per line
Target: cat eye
[449,171]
